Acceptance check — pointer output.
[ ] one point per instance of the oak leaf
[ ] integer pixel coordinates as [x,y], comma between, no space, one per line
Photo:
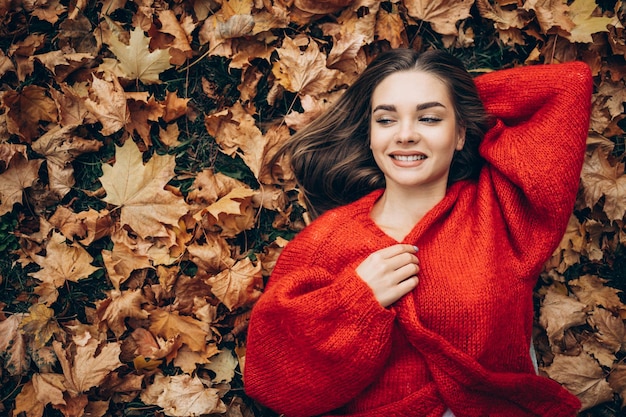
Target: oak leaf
[20,175]
[107,103]
[581,13]
[182,395]
[170,324]
[138,189]
[238,285]
[582,376]
[601,179]
[137,61]
[441,14]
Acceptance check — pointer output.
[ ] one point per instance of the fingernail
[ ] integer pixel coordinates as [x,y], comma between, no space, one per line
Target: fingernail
[416,248]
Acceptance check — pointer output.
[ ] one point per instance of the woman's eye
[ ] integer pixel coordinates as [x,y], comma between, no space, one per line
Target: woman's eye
[384,120]
[430,119]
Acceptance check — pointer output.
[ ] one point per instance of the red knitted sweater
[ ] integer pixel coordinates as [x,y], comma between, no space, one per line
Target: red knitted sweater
[320,344]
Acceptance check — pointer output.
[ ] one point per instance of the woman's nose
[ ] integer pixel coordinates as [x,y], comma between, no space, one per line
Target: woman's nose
[407,133]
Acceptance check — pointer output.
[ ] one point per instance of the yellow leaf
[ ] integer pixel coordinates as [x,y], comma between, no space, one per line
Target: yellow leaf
[40,325]
[136,60]
[139,190]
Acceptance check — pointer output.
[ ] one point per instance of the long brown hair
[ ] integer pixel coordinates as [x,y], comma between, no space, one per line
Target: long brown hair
[331,158]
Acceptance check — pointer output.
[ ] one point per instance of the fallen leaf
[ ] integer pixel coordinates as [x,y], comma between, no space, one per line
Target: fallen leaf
[238,285]
[582,376]
[138,189]
[40,325]
[560,312]
[170,324]
[601,179]
[136,59]
[121,305]
[223,365]
[20,175]
[581,13]
[26,109]
[441,14]
[108,104]
[592,291]
[182,395]
[13,346]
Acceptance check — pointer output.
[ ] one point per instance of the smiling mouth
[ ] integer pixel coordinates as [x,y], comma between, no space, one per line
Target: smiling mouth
[408,158]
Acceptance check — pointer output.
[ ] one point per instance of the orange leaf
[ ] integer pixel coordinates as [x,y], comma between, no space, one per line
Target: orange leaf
[26,109]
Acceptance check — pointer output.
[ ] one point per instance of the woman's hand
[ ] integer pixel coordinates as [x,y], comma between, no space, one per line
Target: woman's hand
[390,272]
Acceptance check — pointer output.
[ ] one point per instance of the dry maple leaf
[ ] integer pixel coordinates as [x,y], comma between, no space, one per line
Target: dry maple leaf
[442,14]
[550,14]
[600,179]
[89,365]
[581,12]
[40,325]
[238,285]
[233,213]
[123,259]
[20,174]
[63,262]
[617,381]
[583,377]
[303,72]
[223,365]
[108,104]
[182,395]
[26,109]
[593,291]
[139,190]
[13,346]
[26,401]
[389,26]
[170,324]
[611,331]
[119,306]
[137,61]
[558,313]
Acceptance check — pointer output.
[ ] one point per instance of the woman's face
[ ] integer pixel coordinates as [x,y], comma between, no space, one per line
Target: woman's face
[413,130]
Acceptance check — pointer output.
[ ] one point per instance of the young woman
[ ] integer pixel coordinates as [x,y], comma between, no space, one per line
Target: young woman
[480,175]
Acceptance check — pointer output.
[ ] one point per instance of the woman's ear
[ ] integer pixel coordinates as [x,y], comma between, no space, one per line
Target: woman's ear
[460,141]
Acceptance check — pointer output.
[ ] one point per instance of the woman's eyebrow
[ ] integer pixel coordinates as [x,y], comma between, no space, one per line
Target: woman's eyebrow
[421,106]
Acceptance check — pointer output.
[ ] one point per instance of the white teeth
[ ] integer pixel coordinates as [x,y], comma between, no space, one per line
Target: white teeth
[409,157]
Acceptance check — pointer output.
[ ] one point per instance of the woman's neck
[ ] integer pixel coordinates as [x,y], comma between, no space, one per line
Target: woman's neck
[399,210]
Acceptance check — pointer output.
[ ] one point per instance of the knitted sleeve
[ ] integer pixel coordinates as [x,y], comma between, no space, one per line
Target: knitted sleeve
[316,338]
[534,153]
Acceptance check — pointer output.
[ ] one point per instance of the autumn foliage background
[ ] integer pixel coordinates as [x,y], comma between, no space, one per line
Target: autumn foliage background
[139,214]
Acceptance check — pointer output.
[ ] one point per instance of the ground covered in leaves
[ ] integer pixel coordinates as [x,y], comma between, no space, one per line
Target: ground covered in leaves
[140,217]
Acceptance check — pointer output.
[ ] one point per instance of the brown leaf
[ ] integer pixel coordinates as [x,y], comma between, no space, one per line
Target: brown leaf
[26,109]
[12,346]
[49,388]
[40,325]
[20,175]
[138,189]
[182,395]
[122,305]
[442,14]
[617,381]
[26,402]
[558,313]
[71,106]
[223,365]
[303,72]
[169,324]
[611,331]
[89,365]
[389,26]
[107,102]
[592,291]
[582,376]
[152,347]
[601,179]
[238,285]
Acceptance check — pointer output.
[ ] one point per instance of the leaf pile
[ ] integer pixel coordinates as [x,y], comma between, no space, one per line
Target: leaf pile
[140,216]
